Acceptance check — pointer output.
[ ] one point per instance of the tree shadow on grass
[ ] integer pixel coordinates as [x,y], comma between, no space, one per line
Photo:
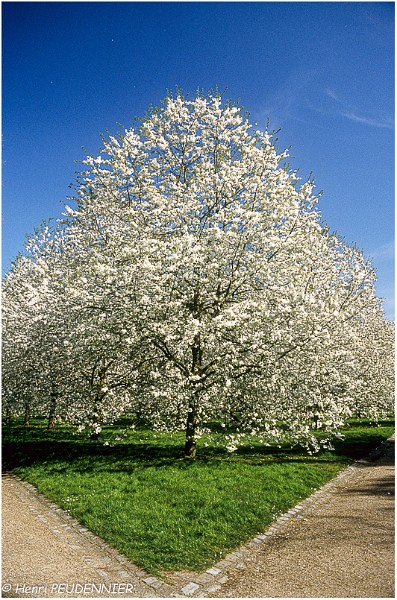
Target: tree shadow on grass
[90,454]
[25,447]
[363,445]
[93,457]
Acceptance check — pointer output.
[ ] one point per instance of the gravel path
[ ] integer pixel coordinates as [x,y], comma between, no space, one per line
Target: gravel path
[338,543]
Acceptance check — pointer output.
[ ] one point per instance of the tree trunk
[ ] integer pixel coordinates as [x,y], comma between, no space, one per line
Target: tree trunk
[99,396]
[197,356]
[190,446]
[96,422]
[51,415]
[26,421]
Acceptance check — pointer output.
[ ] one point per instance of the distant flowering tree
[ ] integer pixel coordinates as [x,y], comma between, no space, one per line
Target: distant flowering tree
[372,378]
[33,369]
[194,284]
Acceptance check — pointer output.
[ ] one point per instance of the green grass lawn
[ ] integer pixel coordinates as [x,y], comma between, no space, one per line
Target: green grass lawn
[166,513]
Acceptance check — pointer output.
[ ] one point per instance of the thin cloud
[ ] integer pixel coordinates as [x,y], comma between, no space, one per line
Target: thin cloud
[332,94]
[367,121]
[348,112]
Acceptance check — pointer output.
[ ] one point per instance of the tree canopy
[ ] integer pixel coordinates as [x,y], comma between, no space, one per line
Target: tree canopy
[195,284]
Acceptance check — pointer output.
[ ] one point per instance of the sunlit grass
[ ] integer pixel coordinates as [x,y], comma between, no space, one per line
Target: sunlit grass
[166,513]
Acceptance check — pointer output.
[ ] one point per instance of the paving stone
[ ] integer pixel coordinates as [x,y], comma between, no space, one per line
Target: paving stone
[190,588]
[213,571]
[104,546]
[123,574]
[157,585]
[103,573]
[233,557]
[112,551]
[153,582]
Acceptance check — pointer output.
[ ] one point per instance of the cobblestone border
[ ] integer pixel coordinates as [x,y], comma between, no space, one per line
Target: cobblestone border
[194,585]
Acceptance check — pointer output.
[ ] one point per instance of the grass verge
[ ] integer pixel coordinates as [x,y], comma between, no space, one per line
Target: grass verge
[166,513]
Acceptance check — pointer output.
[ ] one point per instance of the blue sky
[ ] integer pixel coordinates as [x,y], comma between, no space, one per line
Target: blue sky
[323,72]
